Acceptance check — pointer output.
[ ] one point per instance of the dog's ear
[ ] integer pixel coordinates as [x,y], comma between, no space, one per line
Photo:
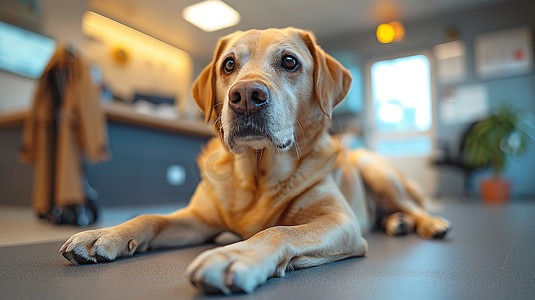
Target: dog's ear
[331,80]
[204,87]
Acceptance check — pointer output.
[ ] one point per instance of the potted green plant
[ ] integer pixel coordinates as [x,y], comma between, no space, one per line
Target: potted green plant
[490,142]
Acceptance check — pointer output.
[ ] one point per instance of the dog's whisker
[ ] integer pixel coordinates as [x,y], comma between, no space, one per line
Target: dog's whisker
[218,119]
[215,123]
[298,123]
[296,136]
[297,151]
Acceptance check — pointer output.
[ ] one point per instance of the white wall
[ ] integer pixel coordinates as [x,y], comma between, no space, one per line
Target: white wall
[15,91]
[62,20]
[132,62]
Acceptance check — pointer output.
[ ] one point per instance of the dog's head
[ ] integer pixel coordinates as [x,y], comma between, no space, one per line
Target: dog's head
[263,87]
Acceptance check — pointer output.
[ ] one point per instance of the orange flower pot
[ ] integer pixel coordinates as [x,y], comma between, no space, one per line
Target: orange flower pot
[495,190]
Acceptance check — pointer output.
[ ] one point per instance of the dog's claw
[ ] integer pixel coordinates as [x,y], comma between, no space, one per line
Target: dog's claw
[441,235]
[69,256]
[102,259]
[75,258]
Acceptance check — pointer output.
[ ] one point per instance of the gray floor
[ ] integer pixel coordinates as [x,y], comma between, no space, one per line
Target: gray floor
[20,225]
[489,254]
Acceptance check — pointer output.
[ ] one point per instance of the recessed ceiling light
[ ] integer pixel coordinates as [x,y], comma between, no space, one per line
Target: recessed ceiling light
[211,15]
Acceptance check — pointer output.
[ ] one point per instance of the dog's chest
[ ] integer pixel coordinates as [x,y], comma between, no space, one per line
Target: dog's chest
[260,200]
[253,206]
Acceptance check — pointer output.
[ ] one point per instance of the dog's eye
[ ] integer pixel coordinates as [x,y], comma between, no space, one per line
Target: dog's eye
[229,65]
[290,63]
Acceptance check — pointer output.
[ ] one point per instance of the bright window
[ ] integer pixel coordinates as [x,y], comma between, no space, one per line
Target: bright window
[402,106]
[402,94]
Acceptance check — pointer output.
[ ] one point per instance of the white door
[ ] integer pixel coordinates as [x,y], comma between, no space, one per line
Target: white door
[400,116]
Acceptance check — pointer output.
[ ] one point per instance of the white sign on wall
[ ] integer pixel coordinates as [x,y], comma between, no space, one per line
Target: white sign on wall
[451,62]
[464,104]
[504,53]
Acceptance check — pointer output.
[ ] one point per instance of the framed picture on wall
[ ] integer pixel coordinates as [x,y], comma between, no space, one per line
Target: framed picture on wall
[504,53]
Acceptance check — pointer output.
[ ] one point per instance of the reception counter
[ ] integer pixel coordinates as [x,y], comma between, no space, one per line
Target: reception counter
[148,153]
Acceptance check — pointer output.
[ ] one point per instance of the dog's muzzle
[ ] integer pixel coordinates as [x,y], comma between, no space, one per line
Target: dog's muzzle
[250,118]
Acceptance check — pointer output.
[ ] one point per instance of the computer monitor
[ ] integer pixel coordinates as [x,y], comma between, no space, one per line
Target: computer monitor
[24,52]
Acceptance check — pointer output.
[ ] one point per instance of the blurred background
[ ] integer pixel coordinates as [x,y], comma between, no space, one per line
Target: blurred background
[444,89]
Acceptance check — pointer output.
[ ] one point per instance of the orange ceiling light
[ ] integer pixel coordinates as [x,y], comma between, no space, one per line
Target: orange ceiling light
[390,32]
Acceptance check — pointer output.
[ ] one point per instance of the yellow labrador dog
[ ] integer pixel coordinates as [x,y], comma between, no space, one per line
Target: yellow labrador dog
[274,176]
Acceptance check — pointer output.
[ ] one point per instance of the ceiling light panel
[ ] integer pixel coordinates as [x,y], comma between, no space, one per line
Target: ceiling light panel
[211,15]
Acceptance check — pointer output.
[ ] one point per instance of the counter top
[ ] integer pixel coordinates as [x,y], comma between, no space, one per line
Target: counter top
[126,114]
[13,117]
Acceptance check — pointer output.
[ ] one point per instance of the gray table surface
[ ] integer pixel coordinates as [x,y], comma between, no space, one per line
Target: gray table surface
[489,254]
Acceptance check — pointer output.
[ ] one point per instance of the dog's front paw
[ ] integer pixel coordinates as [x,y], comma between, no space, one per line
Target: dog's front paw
[95,246]
[433,227]
[232,269]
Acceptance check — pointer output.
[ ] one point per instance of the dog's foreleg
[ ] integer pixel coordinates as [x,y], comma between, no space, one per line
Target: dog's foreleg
[137,235]
[243,266]
[327,231]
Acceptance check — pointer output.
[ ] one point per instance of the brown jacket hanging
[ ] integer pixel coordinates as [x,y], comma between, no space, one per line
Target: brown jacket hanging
[81,129]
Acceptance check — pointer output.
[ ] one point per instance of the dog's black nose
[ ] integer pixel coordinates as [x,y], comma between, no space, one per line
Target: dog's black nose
[248,97]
